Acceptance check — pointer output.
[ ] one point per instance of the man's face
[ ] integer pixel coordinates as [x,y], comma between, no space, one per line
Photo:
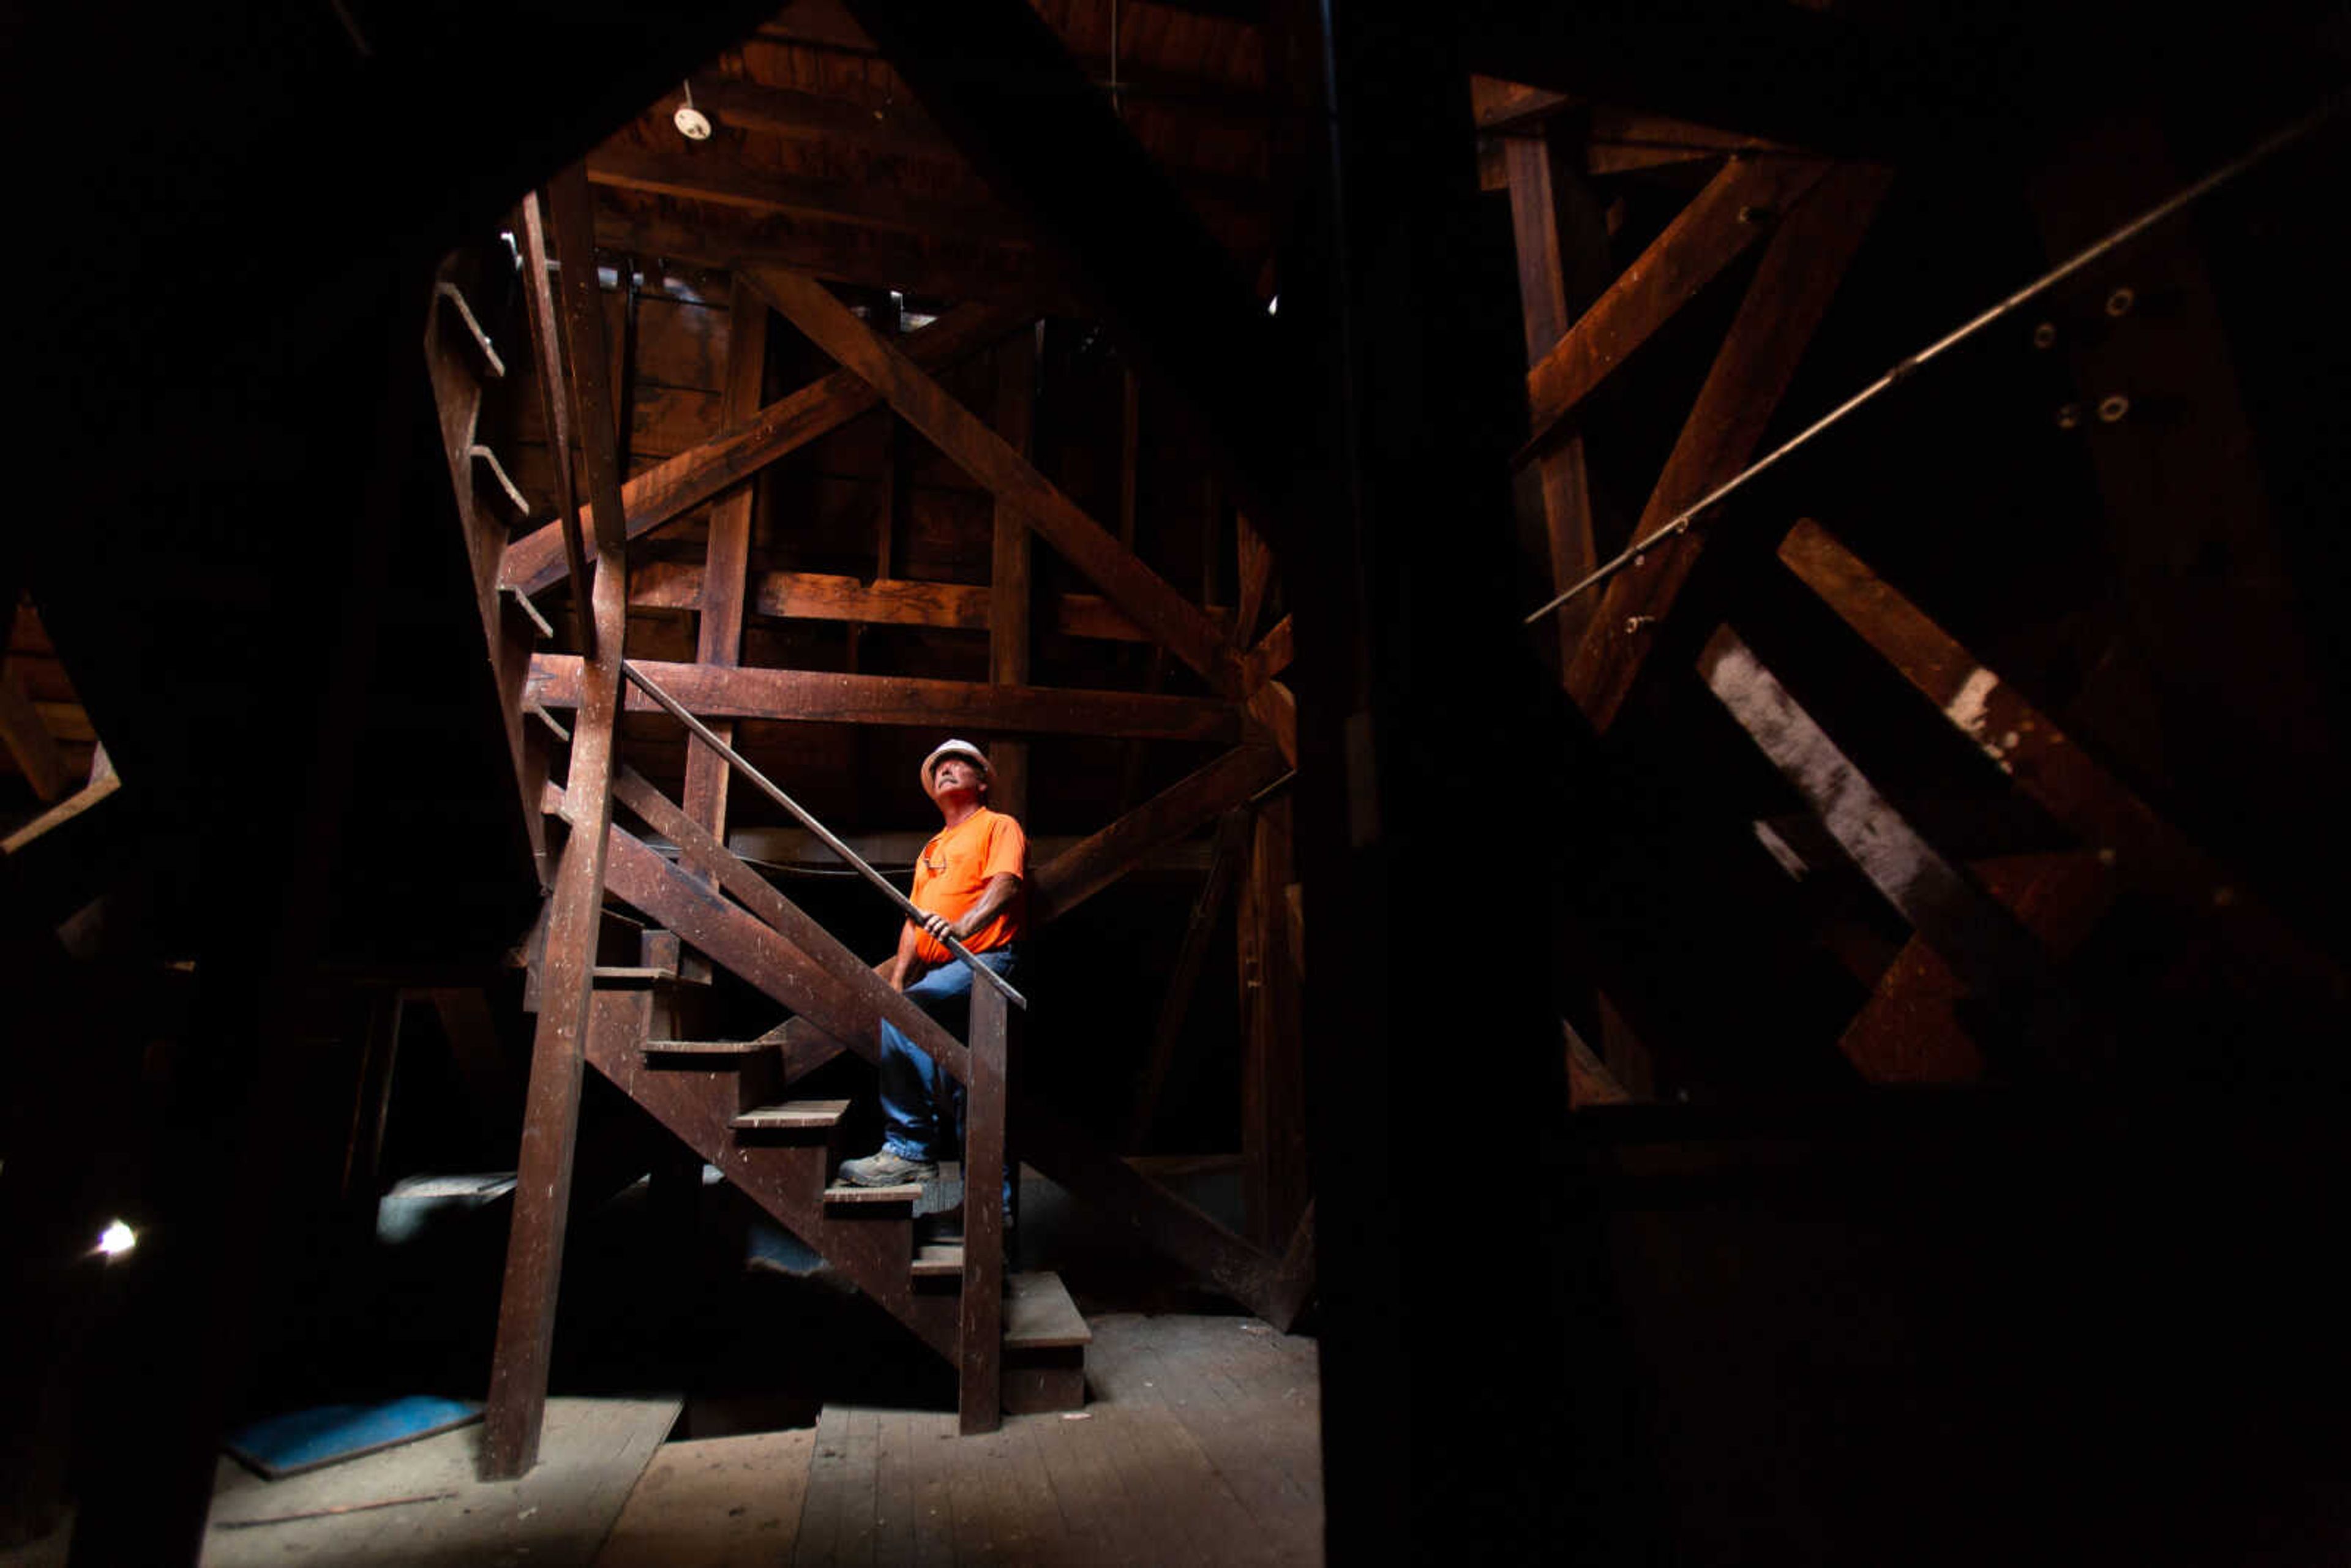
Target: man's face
[954,776]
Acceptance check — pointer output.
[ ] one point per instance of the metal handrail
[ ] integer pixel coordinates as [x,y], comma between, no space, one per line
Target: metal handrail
[709,737]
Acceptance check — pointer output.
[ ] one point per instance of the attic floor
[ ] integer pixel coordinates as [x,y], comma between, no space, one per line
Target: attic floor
[804,1426]
[1200,1444]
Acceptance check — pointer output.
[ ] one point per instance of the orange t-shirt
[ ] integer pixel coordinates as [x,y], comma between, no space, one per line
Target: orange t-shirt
[954,869]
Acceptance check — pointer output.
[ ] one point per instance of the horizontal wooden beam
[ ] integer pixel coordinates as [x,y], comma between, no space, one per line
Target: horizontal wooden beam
[1737,208]
[883,602]
[1093,863]
[661,493]
[711,691]
[709,173]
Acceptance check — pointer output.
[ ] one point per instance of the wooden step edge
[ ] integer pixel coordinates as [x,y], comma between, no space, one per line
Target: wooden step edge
[1039,1315]
[800,1115]
[633,975]
[708,1047]
[850,1192]
[939,1260]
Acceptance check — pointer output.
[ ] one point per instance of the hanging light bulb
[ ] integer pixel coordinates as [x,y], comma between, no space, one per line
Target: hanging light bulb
[692,123]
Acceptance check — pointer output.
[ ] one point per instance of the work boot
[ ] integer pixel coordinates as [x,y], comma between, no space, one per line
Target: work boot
[887,1169]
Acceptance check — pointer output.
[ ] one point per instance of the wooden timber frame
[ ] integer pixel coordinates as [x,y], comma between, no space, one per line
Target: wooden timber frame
[836,999]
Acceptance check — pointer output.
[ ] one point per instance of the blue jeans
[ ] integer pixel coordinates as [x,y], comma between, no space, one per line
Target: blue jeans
[922,1104]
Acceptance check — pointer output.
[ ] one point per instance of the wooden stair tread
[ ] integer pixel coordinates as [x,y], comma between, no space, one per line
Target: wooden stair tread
[644,975]
[849,1192]
[1039,1315]
[709,1047]
[939,1259]
[794,1113]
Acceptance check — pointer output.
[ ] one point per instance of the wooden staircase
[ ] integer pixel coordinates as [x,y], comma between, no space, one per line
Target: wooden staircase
[724,1100]
[721,1097]
[1017,1344]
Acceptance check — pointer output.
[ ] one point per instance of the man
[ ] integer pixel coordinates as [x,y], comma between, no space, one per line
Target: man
[970,882]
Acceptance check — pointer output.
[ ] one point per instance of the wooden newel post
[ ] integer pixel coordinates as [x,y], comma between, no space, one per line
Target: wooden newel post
[980,1344]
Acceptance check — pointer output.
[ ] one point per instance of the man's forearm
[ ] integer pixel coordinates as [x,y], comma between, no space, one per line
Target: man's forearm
[904,959]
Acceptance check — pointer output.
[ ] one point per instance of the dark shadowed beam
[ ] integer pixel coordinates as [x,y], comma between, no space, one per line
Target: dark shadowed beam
[1084,869]
[709,173]
[1232,848]
[1994,81]
[710,692]
[733,456]
[901,127]
[994,76]
[1791,292]
[709,234]
[1418,713]
[1275,1187]
[1011,588]
[1175,622]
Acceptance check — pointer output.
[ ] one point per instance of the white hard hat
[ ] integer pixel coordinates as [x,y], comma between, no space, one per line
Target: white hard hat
[955,749]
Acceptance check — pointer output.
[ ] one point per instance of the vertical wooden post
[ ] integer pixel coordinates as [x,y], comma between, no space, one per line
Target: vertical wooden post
[554,413]
[1562,251]
[1413,691]
[1009,578]
[981,1343]
[1273,1116]
[727,570]
[1233,836]
[517,1400]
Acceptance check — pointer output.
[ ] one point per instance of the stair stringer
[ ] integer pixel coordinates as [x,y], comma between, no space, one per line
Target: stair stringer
[875,1253]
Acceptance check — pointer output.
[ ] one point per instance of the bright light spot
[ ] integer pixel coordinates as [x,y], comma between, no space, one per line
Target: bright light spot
[1273,305]
[117,1238]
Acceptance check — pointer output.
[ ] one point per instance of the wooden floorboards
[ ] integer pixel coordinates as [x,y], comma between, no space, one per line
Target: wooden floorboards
[1200,1445]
